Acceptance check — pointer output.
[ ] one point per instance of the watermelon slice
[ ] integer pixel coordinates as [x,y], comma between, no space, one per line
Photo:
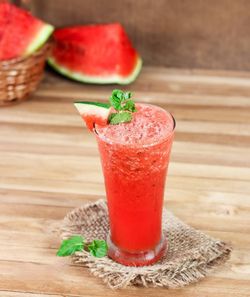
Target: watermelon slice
[20,33]
[93,113]
[95,54]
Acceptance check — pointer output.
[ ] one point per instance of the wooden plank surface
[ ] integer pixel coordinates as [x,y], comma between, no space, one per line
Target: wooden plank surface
[49,165]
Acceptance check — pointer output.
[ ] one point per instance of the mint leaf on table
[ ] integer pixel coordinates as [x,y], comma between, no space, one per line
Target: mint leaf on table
[98,248]
[120,117]
[70,246]
[123,104]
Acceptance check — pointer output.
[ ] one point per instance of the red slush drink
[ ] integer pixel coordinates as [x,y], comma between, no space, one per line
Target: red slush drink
[135,157]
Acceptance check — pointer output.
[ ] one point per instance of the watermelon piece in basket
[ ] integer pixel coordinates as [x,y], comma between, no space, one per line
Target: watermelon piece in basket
[21,34]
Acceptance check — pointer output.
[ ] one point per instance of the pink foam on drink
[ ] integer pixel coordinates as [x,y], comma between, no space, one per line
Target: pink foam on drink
[150,124]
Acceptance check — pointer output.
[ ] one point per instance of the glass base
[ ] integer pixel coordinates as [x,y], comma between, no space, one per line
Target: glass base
[138,258]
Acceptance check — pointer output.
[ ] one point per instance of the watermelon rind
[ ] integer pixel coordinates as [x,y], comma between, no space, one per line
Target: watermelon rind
[41,37]
[97,104]
[122,80]
[93,108]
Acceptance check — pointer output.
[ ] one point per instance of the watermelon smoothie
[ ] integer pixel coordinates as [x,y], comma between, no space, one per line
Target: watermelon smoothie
[135,157]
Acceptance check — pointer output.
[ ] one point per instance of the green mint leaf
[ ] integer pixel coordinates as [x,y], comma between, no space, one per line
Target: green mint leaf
[129,106]
[116,99]
[118,94]
[119,100]
[120,117]
[70,246]
[116,103]
[127,95]
[98,248]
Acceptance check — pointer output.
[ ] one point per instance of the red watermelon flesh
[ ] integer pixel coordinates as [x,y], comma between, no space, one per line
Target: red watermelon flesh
[90,120]
[4,18]
[95,50]
[18,30]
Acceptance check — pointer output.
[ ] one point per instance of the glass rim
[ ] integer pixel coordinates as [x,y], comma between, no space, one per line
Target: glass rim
[136,144]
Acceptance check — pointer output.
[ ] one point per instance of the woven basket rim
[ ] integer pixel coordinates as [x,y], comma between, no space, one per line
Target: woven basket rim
[12,61]
[20,76]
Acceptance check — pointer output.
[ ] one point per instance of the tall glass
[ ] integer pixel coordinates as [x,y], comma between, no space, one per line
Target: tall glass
[135,175]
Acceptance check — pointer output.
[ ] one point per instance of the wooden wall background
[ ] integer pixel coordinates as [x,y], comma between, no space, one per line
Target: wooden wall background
[212,34]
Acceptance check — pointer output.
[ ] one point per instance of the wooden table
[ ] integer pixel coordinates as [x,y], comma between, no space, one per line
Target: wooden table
[49,164]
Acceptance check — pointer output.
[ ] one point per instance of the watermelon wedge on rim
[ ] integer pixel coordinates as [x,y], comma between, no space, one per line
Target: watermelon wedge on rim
[93,113]
[95,54]
[20,33]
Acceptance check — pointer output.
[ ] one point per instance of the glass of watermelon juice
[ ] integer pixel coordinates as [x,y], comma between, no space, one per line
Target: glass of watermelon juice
[135,159]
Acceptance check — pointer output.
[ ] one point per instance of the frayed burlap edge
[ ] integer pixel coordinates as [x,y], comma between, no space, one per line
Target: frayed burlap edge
[190,257]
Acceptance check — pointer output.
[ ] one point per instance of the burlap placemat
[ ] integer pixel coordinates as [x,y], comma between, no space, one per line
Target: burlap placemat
[190,256]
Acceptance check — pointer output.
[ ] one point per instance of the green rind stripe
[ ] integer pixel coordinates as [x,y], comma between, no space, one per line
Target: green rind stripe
[97,79]
[41,37]
[129,79]
[99,104]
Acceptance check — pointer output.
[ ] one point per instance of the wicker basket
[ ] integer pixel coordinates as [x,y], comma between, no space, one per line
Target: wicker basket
[21,76]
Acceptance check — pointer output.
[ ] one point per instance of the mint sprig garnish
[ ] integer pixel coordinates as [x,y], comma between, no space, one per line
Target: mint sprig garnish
[123,104]
[129,105]
[97,248]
